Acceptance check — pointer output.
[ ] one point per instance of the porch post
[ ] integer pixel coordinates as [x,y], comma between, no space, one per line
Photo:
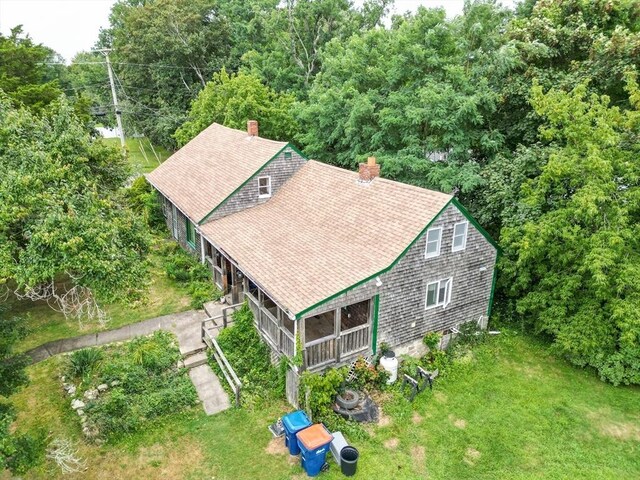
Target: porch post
[303,341]
[202,260]
[336,332]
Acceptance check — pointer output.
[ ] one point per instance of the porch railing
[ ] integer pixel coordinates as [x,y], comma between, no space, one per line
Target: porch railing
[287,342]
[354,340]
[320,352]
[269,325]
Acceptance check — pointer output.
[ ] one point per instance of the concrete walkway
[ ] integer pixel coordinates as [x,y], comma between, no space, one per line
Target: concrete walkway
[187,328]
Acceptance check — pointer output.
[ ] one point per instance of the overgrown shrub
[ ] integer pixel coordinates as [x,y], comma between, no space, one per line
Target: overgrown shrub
[28,451]
[144,199]
[251,359]
[432,340]
[368,377]
[82,362]
[317,394]
[183,267]
[145,384]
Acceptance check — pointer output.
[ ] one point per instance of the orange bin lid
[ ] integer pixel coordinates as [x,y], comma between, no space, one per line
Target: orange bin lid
[314,436]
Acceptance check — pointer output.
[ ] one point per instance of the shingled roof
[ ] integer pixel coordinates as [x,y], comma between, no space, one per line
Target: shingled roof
[204,172]
[323,232]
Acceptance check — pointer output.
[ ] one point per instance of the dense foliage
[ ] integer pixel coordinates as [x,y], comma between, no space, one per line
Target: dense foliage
[232,99]
[577,254]
[24,76]
[250,357]
[185,269]
[454,104]
[145,384]
[62,217]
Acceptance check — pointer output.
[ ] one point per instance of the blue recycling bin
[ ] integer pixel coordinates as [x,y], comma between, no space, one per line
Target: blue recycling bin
[293,423]
[314,444]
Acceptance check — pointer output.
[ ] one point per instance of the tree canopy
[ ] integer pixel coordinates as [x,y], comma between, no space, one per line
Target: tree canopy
[232,99]
[24,77]
[576,257]
[64,227]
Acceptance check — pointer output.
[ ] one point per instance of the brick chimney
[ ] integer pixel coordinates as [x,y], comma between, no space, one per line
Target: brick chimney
[370,170]
[252,128]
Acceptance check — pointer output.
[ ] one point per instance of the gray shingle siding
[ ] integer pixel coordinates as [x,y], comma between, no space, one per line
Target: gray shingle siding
[402,317]
[182,227]
[279,169]
[403,296]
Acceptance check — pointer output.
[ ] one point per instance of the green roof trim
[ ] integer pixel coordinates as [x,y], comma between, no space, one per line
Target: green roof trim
[384,270]
[288,145]
[475,223]
[374,335]
[452,201]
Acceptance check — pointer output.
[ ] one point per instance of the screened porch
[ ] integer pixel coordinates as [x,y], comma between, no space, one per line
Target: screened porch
[331,337]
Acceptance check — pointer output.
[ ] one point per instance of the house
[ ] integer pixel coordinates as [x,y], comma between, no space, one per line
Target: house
[342,260]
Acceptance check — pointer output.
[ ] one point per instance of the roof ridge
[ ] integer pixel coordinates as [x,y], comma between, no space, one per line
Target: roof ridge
[244,133]
[382,179]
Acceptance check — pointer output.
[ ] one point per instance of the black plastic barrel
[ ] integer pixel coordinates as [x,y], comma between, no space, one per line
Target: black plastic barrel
[349,461]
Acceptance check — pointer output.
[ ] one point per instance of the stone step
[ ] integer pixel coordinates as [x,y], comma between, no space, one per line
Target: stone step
[192,348]
[195,360]
[213,309]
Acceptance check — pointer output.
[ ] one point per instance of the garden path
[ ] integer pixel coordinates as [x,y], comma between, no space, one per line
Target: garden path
[185,325]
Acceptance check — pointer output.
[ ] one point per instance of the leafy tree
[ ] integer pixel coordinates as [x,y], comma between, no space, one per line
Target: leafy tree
[297,32]
[23,75]
[63,221]
[562,44]
[576,256]
[412,96]
[232,99]
[163,52]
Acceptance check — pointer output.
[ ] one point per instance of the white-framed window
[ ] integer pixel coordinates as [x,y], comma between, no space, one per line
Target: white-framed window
[438,293]
[459,236]
[264,187]
[434,237]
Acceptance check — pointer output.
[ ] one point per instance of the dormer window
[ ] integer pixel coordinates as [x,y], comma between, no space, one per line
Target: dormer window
[264,187]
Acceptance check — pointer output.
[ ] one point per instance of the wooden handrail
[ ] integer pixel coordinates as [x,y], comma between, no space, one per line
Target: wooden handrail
[320,340]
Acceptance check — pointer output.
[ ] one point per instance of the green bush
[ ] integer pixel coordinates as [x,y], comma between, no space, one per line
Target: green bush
[150,385]
[28,451]
[250,357]
[368,377]
[202,292]
[144,199]
[82,362]
[432,340]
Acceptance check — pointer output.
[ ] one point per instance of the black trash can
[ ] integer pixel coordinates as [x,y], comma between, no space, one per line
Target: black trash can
[349,461]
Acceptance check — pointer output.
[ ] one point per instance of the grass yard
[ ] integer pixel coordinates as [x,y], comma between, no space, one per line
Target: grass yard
[165,296]
[509,410]
[141,154]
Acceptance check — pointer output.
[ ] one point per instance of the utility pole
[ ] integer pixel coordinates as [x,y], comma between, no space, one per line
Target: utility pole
[106,51]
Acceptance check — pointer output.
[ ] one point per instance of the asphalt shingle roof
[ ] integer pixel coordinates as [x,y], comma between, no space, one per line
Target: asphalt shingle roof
[323,232]
[204,172]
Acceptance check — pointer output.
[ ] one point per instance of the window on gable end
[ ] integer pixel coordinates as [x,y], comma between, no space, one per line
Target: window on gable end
[287,155]
[434,236]
[264,187]
[459,236]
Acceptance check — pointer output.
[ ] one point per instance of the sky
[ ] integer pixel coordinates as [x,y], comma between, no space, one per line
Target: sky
[71,26]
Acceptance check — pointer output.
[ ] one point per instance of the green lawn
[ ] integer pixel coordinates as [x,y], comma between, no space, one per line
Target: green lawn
[510,410]
[165,296]
[141,154]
